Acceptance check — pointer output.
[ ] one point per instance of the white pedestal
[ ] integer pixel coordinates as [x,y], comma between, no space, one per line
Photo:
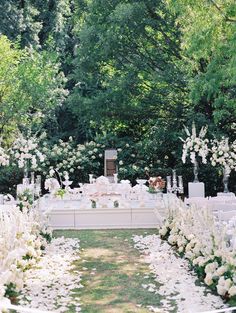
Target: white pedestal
[225,194]
[196,190]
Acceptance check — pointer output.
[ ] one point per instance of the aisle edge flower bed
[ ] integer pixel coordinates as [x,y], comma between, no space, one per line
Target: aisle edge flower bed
[175,282]
[22,244]
[30,259]
[196,236]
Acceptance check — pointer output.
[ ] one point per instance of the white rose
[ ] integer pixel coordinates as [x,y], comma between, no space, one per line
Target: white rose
[232,291]
[221,270]
[211,267]
[163,231]
[228,283]
[221,290]
[208,280]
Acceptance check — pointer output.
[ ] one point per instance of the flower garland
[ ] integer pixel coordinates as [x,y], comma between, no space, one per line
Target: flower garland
[195,145]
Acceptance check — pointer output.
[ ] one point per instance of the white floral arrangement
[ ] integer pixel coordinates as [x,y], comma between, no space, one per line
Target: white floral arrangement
[195,145]
[20,248]
[196,237]
[26,151]
[223,153]
[52,185]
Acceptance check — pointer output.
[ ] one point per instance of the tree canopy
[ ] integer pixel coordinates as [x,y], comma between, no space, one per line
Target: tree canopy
[127,69]
[30,86]
[119,72]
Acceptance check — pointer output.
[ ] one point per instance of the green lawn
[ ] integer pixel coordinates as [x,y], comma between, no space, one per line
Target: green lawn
[113,272]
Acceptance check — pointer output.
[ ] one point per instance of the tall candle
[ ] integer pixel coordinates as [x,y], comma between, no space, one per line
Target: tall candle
[168,185]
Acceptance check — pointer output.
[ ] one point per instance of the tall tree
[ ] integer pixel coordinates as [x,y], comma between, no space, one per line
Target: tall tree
[127,67]
[30,86]
[209,42]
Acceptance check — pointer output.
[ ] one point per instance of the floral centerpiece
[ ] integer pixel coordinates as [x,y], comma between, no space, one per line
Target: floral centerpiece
[156,184]
[195,146]
[224,155]
[26,152]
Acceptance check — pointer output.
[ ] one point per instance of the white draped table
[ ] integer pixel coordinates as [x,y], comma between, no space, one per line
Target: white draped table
[75,214]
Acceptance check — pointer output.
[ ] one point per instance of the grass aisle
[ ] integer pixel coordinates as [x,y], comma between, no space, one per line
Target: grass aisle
[112,272]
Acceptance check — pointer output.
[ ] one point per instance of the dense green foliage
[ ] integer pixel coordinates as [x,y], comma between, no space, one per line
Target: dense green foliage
[134,71]
[209,43]
[127,69]
[31,86]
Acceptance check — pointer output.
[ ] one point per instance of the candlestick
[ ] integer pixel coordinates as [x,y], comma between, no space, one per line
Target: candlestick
[174,185]
[168,183]
[115,178]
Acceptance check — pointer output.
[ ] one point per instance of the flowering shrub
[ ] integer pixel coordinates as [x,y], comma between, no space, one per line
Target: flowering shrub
[4,157]
[196,237]
[195,145]
[75,160]
[91,160]
[62,156]
[26,152]
[223,153]
[132,163]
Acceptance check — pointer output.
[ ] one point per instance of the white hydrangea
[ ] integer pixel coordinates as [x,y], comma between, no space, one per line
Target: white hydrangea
[26,151]
[4,157]
[223,153]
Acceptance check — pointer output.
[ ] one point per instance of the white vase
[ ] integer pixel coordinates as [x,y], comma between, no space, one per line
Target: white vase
[195,171]
[225,180]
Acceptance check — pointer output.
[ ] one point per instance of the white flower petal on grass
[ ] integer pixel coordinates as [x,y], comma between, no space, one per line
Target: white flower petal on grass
[177,282]
[50,285]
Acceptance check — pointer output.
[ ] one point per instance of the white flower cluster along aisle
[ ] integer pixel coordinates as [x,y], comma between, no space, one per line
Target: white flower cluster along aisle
[205,243]
[33,272]
[193,258]
[193,245]
[20,248]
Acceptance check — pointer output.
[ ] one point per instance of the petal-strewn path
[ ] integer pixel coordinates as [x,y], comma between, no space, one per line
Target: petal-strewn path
[113,272]
[123,273]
